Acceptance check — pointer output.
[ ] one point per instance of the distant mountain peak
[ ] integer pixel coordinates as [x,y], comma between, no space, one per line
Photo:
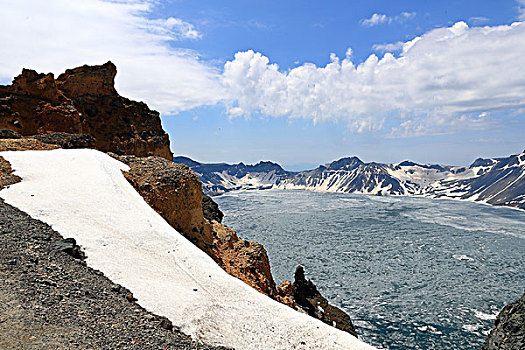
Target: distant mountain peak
[346,162]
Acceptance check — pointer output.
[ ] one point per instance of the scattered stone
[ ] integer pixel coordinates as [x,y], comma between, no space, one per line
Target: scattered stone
[69,246]
[166,324]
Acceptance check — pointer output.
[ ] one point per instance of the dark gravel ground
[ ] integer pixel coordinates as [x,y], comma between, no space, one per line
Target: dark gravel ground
[50,299]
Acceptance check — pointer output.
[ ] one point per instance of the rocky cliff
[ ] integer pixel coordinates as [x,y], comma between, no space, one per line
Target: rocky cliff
[509,329]
[175,192]
[82,101]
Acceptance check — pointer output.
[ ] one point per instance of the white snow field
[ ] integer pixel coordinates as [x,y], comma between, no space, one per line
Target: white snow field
[83,194]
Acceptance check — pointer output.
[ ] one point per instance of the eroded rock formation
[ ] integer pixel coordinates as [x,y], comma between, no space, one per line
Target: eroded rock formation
[175,192]
[83,101]
[211,209]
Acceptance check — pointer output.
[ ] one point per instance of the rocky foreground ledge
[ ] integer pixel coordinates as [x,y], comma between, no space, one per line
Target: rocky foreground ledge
[50,299]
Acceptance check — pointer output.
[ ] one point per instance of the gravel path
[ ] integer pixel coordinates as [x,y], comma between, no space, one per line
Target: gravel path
[50,299]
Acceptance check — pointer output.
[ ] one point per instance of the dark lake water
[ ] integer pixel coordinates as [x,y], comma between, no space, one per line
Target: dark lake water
[412,273]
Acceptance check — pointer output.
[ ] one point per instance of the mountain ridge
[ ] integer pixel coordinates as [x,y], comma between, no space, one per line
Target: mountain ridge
[496,181]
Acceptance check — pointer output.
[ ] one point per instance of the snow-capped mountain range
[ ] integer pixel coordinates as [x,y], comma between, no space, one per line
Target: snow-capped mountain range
[497,181]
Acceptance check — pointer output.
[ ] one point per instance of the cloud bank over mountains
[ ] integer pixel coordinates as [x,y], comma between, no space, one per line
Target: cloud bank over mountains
[447,80]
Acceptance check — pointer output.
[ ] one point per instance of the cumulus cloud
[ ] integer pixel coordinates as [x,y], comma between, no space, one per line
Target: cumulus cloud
[53,35]
[440,82]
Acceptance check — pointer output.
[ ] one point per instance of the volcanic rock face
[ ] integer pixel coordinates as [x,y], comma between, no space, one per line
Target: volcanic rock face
[305,297]
[246,260]
[82,101]
[509,329]
[211,209]
[175,192]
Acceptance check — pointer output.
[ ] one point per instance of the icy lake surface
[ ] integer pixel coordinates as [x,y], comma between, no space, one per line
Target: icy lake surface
[411,272]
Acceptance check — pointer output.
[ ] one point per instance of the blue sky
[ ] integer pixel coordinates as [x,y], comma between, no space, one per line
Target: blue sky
[275,80]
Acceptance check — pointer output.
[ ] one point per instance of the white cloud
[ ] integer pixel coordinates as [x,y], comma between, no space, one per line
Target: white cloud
[173,28]
[53,35]
[375,19]
[440,83]
[391,47]
[381,18]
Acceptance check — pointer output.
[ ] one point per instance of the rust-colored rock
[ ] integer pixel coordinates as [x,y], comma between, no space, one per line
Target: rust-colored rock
[246,260]
[285,294]
[83,101]
[175,192]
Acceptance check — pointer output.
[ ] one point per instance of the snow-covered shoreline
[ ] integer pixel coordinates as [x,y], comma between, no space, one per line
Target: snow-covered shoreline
[369,194]
[83,194]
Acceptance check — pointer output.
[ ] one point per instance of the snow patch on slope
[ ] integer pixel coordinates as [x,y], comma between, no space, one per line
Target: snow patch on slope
[83,194]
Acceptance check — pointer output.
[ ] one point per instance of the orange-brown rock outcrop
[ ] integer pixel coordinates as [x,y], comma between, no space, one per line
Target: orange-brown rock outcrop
[83,101]
[175,192]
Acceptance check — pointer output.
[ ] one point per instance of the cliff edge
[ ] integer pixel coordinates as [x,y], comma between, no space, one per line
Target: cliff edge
[83,101]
